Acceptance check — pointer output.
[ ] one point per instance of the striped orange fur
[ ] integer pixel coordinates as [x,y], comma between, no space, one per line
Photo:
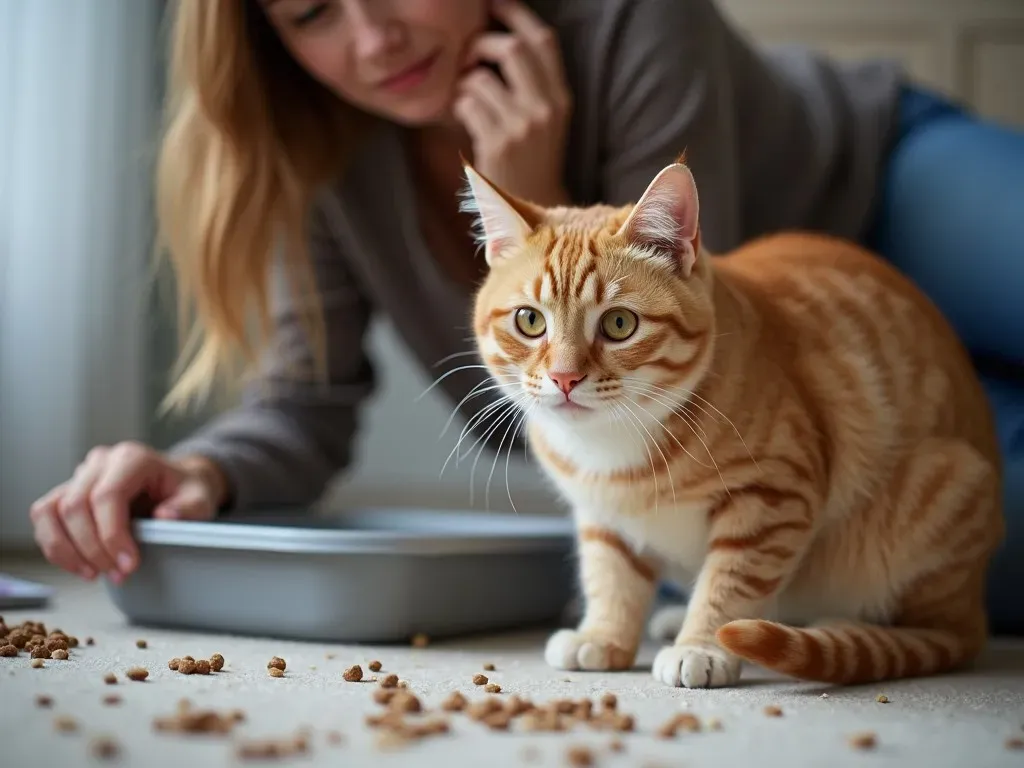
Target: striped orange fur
[791,431]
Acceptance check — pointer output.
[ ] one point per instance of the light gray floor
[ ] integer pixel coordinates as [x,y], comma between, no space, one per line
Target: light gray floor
[962,720]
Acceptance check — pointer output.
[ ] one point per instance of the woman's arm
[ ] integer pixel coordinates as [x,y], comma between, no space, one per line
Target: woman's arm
[289,438]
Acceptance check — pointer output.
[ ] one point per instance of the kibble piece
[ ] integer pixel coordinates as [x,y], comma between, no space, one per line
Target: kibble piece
[188,657]
[56,644]
[455,702]
[277,662]
[391,681]
[882,698]
[203,667]
[580,756]
[40,652]
[492,688]
[375,666]
[609,701]
[216,662]
[187,666]
[713,724]
[420,640]
[479,679]
[403,701]
[105,748]
[275,672]
[72,641]
[384,695]
[59,655]
[773,711]
[44,701]
[488,667]
[617,745]
[111,699]
[353,674]
[1014,743]
[866,740]
[65,724]
[110,678]
[38,664]
[173,664]
[18,639]
[624,723]
[141,643]
[335,737]
[90,641]
[8,651]
[138,674]
[498,721]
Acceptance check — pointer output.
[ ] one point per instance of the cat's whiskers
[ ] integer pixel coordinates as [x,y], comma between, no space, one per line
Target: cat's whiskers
[673,406]
[671,434]
[497,454]
[657,444]
[452,356]
[654,470]
[444,376]
[510,410]
[508,453]
[476,392]
[472,422]
[617,412]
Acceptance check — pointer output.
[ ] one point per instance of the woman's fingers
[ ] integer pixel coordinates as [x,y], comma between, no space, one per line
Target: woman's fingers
[53,540]
[538,36]
[76,517]
[518,64]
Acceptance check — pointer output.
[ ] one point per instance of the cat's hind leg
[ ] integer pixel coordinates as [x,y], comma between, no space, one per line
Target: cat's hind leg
[758,536]
[935,537]
[618,587]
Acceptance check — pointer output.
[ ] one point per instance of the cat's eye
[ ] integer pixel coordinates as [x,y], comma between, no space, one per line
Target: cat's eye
[619,324]
[530,322]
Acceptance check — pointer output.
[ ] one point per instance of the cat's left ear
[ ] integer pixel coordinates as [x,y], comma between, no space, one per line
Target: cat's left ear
[503,222]
[665,223]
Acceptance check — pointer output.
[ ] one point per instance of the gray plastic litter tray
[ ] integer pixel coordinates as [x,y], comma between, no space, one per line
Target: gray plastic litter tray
[366,575]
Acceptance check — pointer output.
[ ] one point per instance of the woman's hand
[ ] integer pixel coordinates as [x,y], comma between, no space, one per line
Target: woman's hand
[84,524]
[518,127]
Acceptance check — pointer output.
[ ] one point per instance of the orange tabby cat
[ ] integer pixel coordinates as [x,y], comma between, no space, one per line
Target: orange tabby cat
[791,430]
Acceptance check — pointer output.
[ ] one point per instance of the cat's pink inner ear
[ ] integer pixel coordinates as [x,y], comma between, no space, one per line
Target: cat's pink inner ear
[500,228]
[665,221]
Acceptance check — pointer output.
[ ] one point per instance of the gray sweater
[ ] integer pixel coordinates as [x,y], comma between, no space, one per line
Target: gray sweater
[775,139]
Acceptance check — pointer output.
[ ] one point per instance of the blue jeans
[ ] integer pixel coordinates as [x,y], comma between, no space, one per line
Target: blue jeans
[951,217]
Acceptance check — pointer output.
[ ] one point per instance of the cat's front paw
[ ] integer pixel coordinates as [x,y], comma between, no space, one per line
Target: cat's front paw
[570,649]
[696,666]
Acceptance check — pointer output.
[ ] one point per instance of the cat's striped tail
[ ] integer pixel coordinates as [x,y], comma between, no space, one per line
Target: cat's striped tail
[848,653]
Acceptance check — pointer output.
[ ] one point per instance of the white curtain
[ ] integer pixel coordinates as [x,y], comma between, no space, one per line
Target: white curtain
[79,93]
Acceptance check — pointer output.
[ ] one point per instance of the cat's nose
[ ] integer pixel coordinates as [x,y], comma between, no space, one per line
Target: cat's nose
[567,382]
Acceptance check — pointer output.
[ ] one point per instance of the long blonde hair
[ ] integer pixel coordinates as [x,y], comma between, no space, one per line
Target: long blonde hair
[248,139]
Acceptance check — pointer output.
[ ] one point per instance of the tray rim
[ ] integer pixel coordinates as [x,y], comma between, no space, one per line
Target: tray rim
[244,532]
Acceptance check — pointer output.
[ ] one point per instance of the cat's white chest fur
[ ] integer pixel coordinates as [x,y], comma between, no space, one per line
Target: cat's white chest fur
[672,529]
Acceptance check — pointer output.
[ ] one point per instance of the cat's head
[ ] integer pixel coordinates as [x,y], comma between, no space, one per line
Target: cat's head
[594,312]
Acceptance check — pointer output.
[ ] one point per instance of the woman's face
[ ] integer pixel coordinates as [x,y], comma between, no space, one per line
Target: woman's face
[400,59]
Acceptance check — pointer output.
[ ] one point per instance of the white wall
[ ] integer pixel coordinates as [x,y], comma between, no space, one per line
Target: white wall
[77,101]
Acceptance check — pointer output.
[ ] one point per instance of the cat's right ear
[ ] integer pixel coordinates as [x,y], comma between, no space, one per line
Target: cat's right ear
[502,222]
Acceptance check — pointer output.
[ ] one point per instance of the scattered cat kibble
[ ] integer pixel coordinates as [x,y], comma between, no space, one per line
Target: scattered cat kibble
[187,666]
[275,672]
[140,643]
[479,679]
[420,640]
[276,662]
[38,664]
[375,666]
[391,681]
[866,740]
[617,745]
[111,699]
[580,756]
[609,701]
[488,667]
[216,662]
[105,748]
[138,674]
[173,664]
[110,678]
[59,655]
[492,688]
[773,711]
[90,641]
[353,674]
[455,702]
[882,698]
[44,701]
[65,724]
[8,651]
